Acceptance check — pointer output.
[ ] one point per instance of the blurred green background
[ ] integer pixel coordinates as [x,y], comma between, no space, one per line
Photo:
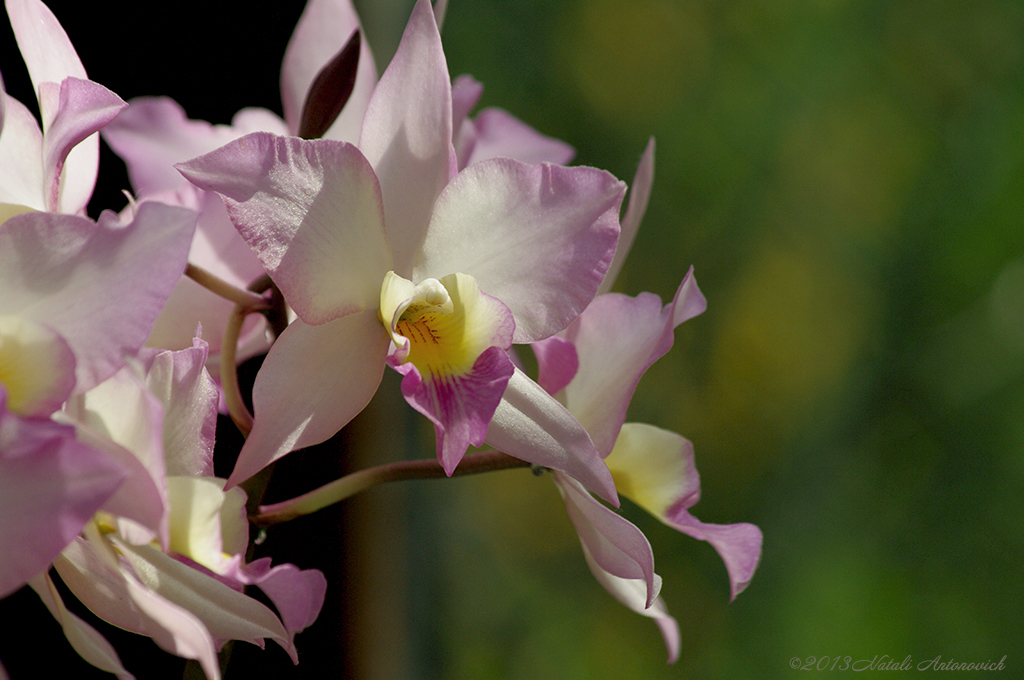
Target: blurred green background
[847,179]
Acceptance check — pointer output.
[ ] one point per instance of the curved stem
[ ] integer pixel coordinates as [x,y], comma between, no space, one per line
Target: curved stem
[224,289]
[229,372]
[353,483]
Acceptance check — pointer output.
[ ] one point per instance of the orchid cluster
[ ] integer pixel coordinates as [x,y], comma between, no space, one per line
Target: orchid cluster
[376,225]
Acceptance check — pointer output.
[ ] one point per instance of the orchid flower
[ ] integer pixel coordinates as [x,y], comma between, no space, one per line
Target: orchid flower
[164,556]
[386,244]
[593,367]
[154,133]
[52,168]
[78,297]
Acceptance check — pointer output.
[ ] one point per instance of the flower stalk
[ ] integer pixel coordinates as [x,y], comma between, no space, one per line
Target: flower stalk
[351,484]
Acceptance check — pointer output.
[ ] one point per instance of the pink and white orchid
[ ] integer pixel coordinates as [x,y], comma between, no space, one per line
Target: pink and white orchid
[54,167]
[594,366]
[164,557]
[386,244]
[79,296]
[154,133]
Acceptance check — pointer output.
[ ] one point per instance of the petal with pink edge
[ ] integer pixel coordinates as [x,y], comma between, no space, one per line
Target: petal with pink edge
[614,543]
[499,134]
[654,468]
[313,382]
[538,238]
[154,133]
[529,424]
[311,211]
[297,594]
[460,406]
[225,612]
[115,595]
[50,486]
[407,135]
[631,592]
[617,338]
[70,147]
[99,285]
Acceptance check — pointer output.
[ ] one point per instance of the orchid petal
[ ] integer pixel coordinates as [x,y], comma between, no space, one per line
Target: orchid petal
[70,145]
[499,134]
[219,249]
[632,592]
[117,597]
[538,238]
[407,135]
[21,159]
[297,594]
[614,543]
[639,195]
[226,613]
[529,424]
[99,285]
[322,31]
[460,406]
[154,133]
[50,486]
[37,367]
[124,419]
[85,640]
[196,504]
[311,211]
[314,380]
[617,338]
[557,363]
[654,468]
[189,396]
[46,48]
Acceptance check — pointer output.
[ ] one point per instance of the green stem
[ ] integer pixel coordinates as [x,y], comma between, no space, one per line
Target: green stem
[229,372]
[353,483]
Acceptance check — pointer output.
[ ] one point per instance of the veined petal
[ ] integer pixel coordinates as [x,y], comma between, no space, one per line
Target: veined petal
[531,425]
[322,30]
[70,146]
[639,195]
[50,486]
[538,238]
[460,405]
[407,135]
[99,285]
[631,592]
[450,341]
[499,134]
[314,380]
[617,338]
[21,159]
[311,211]
[89,644]
[614,543]
[654,468]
